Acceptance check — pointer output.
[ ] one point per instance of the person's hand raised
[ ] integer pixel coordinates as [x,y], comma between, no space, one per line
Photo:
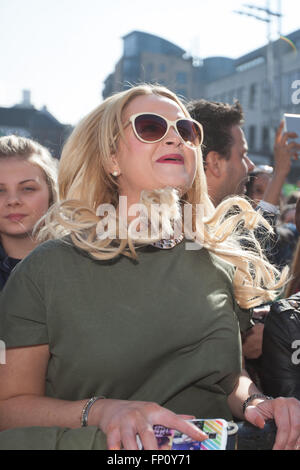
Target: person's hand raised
[285,151]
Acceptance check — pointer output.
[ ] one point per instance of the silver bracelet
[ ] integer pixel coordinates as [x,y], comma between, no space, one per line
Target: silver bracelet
[86,409]
[253,397]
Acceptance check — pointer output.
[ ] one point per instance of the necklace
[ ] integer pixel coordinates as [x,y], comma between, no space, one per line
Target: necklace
[167,244]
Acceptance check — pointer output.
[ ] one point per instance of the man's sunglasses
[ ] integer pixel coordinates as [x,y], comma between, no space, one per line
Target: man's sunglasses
[151,128]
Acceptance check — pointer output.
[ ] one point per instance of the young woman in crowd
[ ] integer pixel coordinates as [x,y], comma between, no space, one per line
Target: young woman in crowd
[28,186]
[111,331]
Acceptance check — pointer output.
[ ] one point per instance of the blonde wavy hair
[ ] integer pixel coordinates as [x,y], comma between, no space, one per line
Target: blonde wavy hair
[85,182]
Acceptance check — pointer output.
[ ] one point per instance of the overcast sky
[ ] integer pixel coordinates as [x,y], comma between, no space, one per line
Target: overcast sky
[62,50]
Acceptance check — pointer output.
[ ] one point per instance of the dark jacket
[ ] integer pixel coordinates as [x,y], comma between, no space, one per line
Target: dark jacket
[286,245]
[280,246]
[7,264]
[280,375]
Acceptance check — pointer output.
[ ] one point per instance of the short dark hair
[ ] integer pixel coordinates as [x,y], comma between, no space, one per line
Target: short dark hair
[217,120]
[258,170]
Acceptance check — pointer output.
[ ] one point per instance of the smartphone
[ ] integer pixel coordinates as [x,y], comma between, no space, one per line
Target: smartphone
[292,124]
[216,429]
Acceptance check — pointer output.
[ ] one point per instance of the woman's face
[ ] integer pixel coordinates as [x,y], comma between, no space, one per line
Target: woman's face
[145,166]
[24,196]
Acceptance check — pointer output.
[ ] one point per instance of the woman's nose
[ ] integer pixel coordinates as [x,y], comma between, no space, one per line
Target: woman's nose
[13,198]
[172,137]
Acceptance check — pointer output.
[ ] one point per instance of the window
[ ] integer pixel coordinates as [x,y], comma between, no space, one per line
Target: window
[249,65]
[265,95]
[286,92]
[252,96]
[240,95]
[277,98]
[130,46]
[181,78]
[252,137]
[149,72]
[265,141]
[131,70]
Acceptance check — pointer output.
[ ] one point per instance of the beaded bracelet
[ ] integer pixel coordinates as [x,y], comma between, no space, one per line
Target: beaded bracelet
[86,409]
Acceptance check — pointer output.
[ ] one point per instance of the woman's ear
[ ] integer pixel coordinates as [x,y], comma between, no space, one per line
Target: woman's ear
[114,168]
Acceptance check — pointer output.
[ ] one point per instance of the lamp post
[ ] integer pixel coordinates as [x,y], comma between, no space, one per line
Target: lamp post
[269,16]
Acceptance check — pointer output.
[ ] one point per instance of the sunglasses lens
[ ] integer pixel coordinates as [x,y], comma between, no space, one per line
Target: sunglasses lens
[189,132]
[150,127]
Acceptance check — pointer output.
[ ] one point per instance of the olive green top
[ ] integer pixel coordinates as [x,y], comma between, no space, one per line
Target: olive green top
[162,328]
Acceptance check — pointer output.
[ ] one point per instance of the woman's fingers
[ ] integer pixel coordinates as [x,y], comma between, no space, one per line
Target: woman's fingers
[124,421]
[253,415]
[282,419]
[187,416]
[294,424]
[147,436]
[173,421]
[286,413]
[113,440]
[128,437]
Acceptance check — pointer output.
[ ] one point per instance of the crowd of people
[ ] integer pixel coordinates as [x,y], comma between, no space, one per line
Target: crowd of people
[108,334]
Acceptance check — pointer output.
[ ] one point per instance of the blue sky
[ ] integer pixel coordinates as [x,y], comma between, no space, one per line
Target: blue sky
[62,50]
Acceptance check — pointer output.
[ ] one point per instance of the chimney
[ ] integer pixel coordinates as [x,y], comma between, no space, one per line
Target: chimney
[26,98]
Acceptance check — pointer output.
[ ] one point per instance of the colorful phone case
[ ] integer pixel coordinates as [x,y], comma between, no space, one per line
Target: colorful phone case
[216,429]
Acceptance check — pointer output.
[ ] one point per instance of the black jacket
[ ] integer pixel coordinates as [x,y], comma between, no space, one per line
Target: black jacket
[280,246]
[7,264]
[280,374]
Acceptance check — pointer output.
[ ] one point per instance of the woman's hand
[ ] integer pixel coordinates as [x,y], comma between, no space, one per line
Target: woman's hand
[122,421]
[286,413]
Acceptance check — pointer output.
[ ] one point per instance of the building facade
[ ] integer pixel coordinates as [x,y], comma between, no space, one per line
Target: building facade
[25,120]
[267,84]
[266,81]
[151,59]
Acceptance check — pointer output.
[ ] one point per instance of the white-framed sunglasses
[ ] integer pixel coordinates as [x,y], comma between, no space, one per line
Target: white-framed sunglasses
[150,128]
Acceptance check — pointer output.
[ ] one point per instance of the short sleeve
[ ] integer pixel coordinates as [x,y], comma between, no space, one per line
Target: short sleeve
[22,309]
[244,316]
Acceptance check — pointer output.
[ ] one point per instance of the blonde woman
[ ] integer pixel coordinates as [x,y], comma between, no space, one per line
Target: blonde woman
[28,187]
[152,326]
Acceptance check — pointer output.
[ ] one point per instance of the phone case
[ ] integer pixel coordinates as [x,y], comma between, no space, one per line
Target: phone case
[216,429]
[292,124]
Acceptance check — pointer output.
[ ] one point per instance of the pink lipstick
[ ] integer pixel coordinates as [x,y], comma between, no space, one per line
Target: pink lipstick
[16,217]
[172,159]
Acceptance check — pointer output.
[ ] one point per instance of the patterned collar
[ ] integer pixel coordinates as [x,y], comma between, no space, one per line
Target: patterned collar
[167,244]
